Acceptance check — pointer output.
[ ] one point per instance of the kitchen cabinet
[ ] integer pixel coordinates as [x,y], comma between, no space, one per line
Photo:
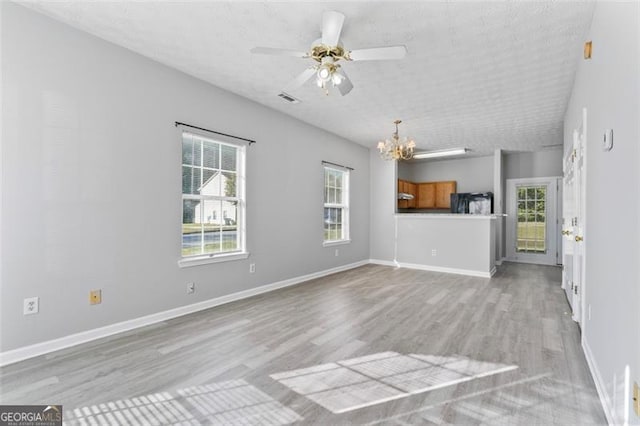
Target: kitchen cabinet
[407,188]
[411,188]
[443,194]
[426,195]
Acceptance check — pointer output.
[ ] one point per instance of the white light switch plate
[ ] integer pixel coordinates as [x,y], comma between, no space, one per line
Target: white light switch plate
[607,140]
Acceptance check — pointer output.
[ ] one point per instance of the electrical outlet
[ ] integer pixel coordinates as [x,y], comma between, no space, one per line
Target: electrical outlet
[434,252]
[95,297]
[337,253]
[191,288]
[31,306]
[252,268]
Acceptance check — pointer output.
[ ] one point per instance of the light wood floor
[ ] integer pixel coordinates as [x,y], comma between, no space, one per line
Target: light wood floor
[371,345]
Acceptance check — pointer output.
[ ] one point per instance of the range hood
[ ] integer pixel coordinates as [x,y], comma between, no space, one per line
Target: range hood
[405,196]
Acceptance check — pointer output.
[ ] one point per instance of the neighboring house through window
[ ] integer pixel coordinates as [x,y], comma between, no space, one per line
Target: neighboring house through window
[336,205]
[212,188]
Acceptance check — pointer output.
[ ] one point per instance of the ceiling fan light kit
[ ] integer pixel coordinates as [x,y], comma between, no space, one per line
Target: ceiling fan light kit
[326,52]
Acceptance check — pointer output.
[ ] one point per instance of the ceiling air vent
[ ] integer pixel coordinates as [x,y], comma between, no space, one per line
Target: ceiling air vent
[289,98]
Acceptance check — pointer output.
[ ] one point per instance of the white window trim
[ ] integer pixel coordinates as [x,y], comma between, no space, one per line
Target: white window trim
[346,195]
[336,243]
[186,262]
[205,259]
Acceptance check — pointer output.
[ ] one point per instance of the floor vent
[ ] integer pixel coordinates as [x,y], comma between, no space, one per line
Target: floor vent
[289,98]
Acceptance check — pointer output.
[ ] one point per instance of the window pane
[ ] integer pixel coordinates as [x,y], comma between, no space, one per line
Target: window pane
[190,180]
[191,228]
[211,226]
[187,149]
[339,180]
[211,155]
[228,183]
[186,179]
[531,225]
[230,235]
[339,196]
[531,193]
[228,158]
[333,223]
[211,184]
[332,178]
[332,195]
[197,152]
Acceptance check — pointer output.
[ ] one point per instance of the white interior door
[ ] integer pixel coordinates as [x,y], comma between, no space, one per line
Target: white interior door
[573,229]
[568,219]
[532,220]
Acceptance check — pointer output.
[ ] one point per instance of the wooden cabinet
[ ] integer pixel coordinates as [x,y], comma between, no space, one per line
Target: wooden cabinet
[411,188]
[426,195]
[443,194]
[407,188]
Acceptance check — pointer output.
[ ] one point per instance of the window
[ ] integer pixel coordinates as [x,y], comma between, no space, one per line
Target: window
[212,197]
[532,215]
[336,205]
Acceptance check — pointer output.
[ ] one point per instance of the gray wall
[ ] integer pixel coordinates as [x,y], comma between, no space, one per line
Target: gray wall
[418,235]
[91,184]
[608,86]
[520,165]
[473,174]
[383,207]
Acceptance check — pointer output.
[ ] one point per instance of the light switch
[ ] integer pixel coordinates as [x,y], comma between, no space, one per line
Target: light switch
[607,140]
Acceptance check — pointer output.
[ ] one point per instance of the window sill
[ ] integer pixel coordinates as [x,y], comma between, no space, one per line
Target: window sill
[206,259]
[335,243]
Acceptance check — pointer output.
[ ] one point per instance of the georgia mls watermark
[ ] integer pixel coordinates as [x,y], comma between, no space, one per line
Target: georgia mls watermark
[30,415]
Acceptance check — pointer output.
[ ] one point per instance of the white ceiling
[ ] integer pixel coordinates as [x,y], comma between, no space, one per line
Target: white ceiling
[483,75]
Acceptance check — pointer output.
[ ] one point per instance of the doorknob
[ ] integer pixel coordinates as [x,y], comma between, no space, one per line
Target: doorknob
[579,238]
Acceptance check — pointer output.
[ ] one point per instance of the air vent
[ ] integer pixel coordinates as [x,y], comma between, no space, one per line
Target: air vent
[289,98]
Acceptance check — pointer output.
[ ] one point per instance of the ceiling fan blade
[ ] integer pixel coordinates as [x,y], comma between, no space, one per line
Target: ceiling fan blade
[300,79]
[279,52]
[331,27]
[378,53]
[345,85]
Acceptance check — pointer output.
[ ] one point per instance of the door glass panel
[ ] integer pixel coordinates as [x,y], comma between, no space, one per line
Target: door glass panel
[532,213]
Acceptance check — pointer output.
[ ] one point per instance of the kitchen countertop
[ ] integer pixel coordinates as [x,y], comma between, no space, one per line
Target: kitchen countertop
[445,216]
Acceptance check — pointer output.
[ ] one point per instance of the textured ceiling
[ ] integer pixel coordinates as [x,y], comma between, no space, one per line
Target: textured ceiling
[483,75]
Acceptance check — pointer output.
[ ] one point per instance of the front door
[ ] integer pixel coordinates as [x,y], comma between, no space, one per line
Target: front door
[573,229]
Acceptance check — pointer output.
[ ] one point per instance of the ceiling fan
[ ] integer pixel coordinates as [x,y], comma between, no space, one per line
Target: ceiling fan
[327,51]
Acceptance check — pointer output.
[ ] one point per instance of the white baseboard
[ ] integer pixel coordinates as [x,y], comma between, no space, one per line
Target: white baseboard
[26,352]
[432,268]
[600,386]
[384,262]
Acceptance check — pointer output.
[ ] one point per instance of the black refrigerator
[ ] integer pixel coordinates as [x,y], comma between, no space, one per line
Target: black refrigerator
[472,203]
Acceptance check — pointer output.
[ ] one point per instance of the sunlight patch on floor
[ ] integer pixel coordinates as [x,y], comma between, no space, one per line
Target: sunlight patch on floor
[374,379]
[233,402]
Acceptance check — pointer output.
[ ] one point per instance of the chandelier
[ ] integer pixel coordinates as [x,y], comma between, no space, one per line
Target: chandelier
[396,148]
